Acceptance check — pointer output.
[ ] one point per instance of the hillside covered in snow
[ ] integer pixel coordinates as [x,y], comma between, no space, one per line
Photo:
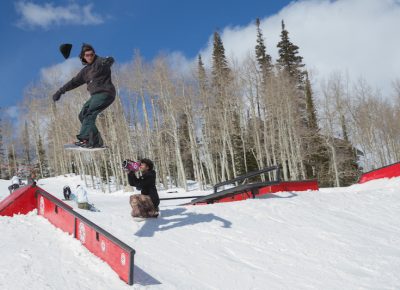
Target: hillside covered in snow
[334,238]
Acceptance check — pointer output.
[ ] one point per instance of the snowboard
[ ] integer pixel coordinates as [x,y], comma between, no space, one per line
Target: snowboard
[79,148]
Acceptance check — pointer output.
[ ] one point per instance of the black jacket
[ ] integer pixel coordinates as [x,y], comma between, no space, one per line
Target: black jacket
[96,75]
[147,184]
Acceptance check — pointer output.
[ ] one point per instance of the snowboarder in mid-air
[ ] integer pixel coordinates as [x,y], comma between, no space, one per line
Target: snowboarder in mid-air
[96,73]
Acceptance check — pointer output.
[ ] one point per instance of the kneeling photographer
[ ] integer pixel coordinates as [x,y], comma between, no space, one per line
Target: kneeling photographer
[145,204]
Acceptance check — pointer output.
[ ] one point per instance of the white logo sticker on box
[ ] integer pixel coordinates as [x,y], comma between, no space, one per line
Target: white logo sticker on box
[123,259]
[82,232]
[41,205]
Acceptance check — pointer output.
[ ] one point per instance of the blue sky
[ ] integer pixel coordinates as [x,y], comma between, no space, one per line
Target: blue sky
[329,34]
[116,28]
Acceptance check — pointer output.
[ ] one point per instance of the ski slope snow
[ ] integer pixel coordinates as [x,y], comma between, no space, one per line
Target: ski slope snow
[335,238]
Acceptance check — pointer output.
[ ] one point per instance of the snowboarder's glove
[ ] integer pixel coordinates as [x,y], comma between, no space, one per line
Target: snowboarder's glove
[108,61]
[57,96]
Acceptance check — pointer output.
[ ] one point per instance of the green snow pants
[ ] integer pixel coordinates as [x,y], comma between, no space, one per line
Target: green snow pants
[96,104]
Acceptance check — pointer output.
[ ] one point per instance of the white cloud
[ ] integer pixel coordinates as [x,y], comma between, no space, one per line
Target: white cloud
[47,15]
[180,63]
[359,37]
[12,112]
[60,73]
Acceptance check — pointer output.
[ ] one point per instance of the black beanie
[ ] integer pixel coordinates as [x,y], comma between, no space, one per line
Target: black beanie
[148,162]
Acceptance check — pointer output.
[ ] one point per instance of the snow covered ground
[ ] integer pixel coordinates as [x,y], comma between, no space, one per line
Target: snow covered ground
[335,238]
[4,184]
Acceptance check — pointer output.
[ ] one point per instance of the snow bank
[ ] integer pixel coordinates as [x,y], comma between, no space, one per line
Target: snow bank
[4,184]
[36,255]
[335,238]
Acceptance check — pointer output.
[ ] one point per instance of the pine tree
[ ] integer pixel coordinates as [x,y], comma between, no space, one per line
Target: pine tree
[317,154]
[350,168]
[239,156]
[222,87]
[290,68]
[264,60]
[344,128]
[42,164]
[219,81]
[312,121]
[26,144]
[201,75]
[185,146]
[220,69]
[12,160]
[289,61]
[220,64]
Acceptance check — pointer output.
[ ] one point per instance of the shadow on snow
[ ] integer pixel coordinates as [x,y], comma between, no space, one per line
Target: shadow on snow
[180,218]
[142,278]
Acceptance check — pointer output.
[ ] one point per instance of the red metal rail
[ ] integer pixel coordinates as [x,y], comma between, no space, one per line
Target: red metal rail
[256,190]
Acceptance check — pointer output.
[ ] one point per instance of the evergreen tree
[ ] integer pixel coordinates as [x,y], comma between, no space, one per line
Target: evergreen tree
[344,128]
[252,164]
[290,67]
[264,60]
[222,88]
[219,72]
[185,146]
[42,164]
[12,160]
[220,64]
[220,69]
[289,61]
[349,170]
[26,144]
[317,153]
[312,121]
[201,75]
[239,156]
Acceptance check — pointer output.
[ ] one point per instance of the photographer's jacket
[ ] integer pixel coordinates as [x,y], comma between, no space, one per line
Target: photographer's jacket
[96,75]
[147,184]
